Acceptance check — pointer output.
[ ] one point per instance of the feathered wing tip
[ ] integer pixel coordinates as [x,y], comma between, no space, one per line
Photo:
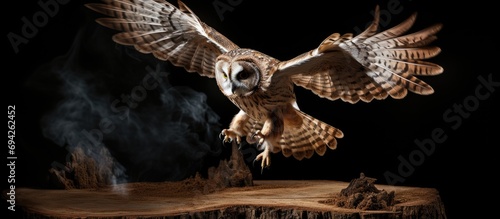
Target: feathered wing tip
[394,59]
[371,65]
[184,8]
[143,25]
[169,33]
[372,29]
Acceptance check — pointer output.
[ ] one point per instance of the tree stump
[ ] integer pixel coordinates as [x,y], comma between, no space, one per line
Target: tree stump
[230,192]
[265,199]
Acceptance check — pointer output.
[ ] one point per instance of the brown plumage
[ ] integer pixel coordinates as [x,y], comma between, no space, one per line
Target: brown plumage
[371,65]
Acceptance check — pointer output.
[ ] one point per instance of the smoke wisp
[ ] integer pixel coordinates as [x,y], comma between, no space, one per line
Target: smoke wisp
[126,115]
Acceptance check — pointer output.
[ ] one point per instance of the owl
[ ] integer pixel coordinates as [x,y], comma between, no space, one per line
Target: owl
[371,65]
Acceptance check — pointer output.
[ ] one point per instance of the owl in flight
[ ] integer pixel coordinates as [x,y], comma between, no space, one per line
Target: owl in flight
[371,65]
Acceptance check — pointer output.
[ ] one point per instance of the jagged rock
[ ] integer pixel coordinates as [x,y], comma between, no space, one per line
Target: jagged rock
[80,172]
[362,194]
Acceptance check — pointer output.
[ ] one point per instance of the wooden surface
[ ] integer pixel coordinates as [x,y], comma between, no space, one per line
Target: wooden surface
[265,199]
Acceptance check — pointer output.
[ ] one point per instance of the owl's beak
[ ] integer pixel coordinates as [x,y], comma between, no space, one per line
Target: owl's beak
[237,90]
[234,90]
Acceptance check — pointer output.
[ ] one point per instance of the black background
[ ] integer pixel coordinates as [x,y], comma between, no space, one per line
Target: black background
[376,133]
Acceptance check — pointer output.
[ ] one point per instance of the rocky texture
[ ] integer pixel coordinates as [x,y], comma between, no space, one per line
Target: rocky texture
[231,173]
[362,194]
[82,172]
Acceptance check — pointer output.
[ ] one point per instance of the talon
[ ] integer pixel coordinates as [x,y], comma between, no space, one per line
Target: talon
[266,159]
[260,136]
[229,136]
[267,167]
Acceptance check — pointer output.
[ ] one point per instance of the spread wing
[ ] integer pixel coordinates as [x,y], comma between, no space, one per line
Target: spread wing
[169,33]
[370,65]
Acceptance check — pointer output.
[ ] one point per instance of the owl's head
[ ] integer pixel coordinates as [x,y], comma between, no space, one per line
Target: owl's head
[237,75]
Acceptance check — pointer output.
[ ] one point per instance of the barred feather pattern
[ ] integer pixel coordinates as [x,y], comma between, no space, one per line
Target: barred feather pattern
[371,65]
[169,33]
[312,136]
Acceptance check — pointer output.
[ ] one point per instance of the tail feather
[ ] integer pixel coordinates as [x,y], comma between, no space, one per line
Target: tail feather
[313,136]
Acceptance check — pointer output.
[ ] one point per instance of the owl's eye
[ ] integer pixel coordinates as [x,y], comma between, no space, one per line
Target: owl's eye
[243,75]
[224,75]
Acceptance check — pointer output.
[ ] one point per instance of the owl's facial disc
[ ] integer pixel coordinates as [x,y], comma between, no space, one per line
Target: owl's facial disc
[222,72]
[245,78]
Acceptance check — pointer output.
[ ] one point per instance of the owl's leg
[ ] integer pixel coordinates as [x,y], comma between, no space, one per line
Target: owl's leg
[264,156]
[271,130]
[235,130]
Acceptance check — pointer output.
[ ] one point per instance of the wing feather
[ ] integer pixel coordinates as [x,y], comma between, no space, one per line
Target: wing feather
[169,33]
[368,66]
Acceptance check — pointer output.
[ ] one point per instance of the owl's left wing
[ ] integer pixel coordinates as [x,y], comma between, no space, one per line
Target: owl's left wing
[369,66]
[169,33]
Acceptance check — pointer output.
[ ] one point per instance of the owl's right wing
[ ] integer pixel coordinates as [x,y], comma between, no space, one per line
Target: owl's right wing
[169,33]
[369,66]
